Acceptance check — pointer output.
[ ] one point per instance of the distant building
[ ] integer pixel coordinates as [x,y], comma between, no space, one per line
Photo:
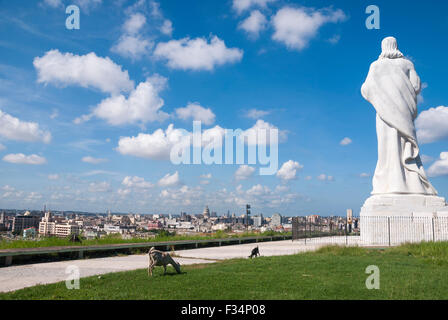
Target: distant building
[155,225]
[355,223]
[109,228]
[313,218]
[349,216]
[171,223]
[276,219]
[29,232]
[206,212]
[2,222]
[20,223]
[50,227]
[258,221]
[185,225]
[64,230]
[91,234]
[219,226]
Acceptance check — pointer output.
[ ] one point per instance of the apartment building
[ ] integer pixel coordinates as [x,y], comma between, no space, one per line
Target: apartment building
[49,227]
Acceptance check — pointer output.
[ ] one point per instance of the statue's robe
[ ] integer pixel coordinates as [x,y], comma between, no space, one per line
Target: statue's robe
[392,86]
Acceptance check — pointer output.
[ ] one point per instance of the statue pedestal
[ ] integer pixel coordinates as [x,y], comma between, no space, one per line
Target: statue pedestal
[392,219]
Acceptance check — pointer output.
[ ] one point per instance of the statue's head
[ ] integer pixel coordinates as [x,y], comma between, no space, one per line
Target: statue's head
[389,49]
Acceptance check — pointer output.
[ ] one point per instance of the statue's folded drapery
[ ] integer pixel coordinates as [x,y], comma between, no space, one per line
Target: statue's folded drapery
[392,86]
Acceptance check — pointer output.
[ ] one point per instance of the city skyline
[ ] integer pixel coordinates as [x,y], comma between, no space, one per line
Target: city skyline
[87,116]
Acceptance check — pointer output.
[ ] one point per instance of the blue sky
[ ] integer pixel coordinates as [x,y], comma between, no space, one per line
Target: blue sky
[294,65]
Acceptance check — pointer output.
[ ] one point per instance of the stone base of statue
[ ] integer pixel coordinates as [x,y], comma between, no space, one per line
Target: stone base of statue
[398,218]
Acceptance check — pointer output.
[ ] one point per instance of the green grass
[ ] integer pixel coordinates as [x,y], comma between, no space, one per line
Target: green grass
[408,272]
[115,239]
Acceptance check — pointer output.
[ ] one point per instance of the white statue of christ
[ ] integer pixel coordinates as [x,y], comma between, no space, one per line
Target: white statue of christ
[392,87]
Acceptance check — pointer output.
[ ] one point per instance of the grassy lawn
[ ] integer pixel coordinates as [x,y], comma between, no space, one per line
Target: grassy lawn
[116,239]
[406,272]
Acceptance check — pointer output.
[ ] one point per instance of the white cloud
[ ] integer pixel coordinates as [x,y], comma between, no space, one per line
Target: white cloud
[439,167]
[93,160]
[281,189]
[426,159]
[335,39]
[83,118]
[20,158]
[256,114]
[2,147]
[206,178]
[169,180]
[258,190]
[432,125]
[53,177]
[87,71]
[254,24]
[99,187]
[196,112]
[143,105]
[88,4]
[132,44]
[134,47]
[324,177]
[212,135]
[87,145]
[244,172]
[364,175]
[11,192]
[134,23]
[136,182]
[288,171]
[151,146]
[154,6]
[243,5]
[54,114]
[54,3]
[295,27]
[259,196]
[167,27]
[33,196]
[123,192]
[183,196]
[158,145]
[420,98]
[14,129]
[99,172]
[197,54]
[262,130]
[308,178]
[346,141]
[8,188]
[164,25]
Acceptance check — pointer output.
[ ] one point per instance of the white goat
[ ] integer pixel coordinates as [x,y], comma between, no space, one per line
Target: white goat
[159,258]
